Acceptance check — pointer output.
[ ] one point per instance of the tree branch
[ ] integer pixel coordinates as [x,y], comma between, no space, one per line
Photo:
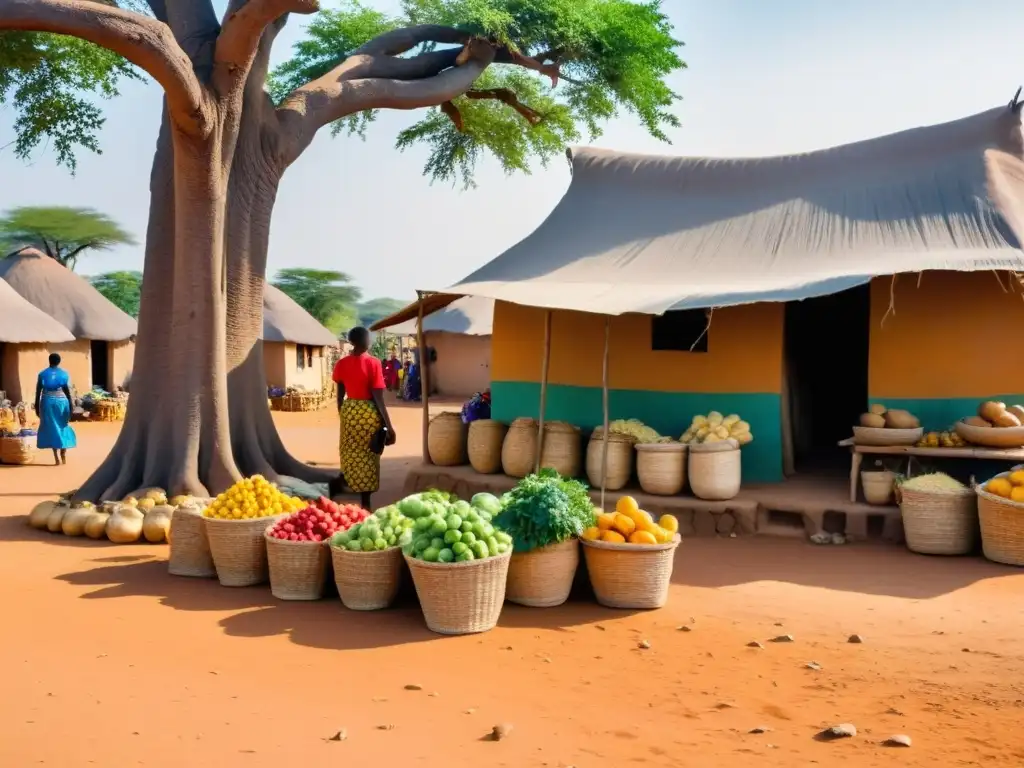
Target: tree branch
[399,41]
[507,96]
[145,42]
[242,29]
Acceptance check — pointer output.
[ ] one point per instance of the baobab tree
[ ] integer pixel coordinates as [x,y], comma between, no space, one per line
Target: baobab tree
[199,418]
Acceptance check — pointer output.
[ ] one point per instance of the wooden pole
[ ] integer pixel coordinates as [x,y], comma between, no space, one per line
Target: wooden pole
[604,407]
[543,388]
[424,377]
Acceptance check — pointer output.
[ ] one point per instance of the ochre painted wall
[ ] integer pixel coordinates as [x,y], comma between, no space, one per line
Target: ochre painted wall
[23,362]
[280,363]
[463,365]
[120,359]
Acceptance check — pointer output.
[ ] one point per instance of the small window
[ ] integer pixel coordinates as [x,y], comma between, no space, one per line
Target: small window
[300,356]
[684,330]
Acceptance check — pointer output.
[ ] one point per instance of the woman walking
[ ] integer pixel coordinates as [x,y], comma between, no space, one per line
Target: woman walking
[53,405]
[365,424]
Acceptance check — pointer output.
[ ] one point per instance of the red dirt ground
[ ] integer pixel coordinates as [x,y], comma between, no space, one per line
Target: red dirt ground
[108,661]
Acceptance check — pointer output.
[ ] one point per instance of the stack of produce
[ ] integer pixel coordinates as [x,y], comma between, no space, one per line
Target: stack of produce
[455,532]
[997,415]
[544,514]
[945,439]
[318,521]
[1001,517]
[387,527]
[629,523]
[634,429]
[252,498]
[147,517]
[1010,486]
[715,427]
[880,417]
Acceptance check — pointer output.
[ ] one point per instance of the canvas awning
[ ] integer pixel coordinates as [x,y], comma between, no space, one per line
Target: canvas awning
[646,233]
[471,316]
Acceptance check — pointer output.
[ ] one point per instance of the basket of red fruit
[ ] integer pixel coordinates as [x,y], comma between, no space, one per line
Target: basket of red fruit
[297,548]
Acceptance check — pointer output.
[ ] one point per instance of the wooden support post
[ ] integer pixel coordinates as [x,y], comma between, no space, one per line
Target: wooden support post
[545,361]
[604,407]
[424,377]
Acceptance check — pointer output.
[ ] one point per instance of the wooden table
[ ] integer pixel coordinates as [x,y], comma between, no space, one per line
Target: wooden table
[974,452]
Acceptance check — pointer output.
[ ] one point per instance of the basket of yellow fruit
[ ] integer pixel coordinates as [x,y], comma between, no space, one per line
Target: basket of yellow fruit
[235,522]
[1001,514]
[630,557]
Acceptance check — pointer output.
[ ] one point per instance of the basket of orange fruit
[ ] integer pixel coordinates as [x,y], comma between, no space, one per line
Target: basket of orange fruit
[630,556]
[1001,515]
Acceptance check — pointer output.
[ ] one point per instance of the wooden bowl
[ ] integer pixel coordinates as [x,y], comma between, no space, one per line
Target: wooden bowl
[991,437]
[886,436]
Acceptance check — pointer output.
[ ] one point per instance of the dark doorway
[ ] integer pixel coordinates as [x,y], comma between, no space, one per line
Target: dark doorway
[100,364]
[826,342]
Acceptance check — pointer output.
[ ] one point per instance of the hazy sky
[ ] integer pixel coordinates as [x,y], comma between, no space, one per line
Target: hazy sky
[763,78]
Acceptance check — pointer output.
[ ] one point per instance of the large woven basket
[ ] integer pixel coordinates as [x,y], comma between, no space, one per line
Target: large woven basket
[298,569]
[1002,527]
[17,450]
[661,467]
[446,440]
[484,445]
[239,549]
[367,581]
[620,461]
[519,450]
[715,470]
[461,598]
[635,576]
[562,449]
[939,522]
[877,486]
[190,548]
[543,578]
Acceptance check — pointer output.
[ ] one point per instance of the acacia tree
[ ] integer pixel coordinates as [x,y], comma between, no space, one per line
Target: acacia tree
[225,142]
[61,233]
[122,289]
[327,295]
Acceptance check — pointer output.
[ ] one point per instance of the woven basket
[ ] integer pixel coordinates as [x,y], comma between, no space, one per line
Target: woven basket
[620,461]
[17,450]
[446,440]
[661,467]
[543,578]
[298,569]
[190,548]
[633,576]
[239,549]
[939,522]
[561,450]
[878,486]
[367,581]
[715,470]
[461,598]
[991,437]
[484,445]
[886,436]
[1002,527]
[519,450]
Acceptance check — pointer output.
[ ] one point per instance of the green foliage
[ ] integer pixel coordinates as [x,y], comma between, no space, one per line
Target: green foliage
[62,233]
[544,509]
[373,310]
[123,289]
[615,56]
[327,295]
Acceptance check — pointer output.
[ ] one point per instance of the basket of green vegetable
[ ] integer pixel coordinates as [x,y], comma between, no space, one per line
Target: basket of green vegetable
[459,563]
[367,559]
[545,515]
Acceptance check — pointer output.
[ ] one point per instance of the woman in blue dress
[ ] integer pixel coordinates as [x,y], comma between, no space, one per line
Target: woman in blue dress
[53,404]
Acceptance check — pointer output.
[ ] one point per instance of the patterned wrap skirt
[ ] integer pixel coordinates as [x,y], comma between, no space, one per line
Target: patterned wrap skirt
[360,466]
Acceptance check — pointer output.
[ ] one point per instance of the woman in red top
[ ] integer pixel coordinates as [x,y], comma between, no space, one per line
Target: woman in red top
[365,424]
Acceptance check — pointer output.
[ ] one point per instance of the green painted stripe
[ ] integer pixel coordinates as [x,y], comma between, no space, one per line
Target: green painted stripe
[668,412]
[942,413]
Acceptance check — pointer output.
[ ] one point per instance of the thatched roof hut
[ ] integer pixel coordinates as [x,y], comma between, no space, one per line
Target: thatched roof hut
[285,321]
[66,297]
[22,323]
[293,344]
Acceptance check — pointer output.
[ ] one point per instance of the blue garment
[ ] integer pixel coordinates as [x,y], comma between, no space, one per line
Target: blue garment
[54,411]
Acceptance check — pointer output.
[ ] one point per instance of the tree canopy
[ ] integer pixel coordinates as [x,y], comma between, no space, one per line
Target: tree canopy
[63,234]
[374,309]
[327,295]
[123,289]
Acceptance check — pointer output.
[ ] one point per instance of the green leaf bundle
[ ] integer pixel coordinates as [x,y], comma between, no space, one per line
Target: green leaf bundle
[544,509]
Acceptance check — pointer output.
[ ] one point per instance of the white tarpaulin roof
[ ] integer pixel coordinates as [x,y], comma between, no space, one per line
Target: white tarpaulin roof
[647,233]
[470,315]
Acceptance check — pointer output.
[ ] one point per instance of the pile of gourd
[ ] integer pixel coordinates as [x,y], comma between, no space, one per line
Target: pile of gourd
[122,522]
[715,428]
[880,417]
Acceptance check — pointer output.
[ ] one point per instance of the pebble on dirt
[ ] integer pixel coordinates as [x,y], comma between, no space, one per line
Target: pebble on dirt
[501,731]
[413,687]
[855,639]
[340,735]
[813,665]
[760,729]
[643,645]
[841,731]
[783,639]
[754,644]
[684,628]
[899,740]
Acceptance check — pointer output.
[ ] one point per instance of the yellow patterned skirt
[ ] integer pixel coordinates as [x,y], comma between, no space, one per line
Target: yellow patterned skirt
[360,466]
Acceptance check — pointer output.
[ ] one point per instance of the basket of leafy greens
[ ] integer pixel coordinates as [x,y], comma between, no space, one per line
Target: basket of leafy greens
[544,514]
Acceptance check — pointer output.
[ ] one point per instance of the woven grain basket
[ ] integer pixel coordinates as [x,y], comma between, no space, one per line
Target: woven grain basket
[190,548]
[367,581]
[939,522]
[543,578]
[486,437]
[620,461]
[715,470]
[1002,527]
[633,576]
[519,451]
[446,440]
[17,450]
[461,598]
[298,569]
[239,549]
[877,486]
[661,467]
[562,449]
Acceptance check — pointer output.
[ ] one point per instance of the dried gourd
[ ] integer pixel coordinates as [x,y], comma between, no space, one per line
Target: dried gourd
[1006,420]
[40,514]
[157,523]
[977,421]
[56,517]
[899,419]
[991,410]
[125,525]
[877,409]
[74,520]
[96,524]
[1018,411]
[146,504]
[872,420]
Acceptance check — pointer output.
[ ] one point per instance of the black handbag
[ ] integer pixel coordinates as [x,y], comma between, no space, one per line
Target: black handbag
[379,440]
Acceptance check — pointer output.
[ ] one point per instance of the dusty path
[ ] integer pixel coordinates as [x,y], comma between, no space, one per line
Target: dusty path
[108,661]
